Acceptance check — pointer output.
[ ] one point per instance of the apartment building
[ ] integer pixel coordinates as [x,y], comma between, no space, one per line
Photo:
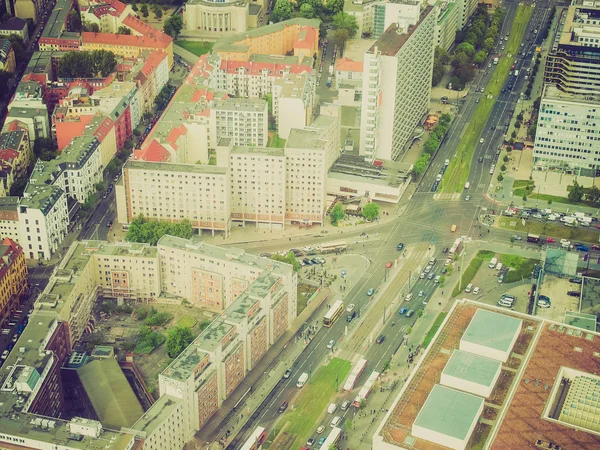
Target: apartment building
[348,72]
[55,36]
[8,62]
[255,78]
[9,218]
[107,14]
[364,12]
[207,16]
[13,278]
[567,136]
[15,25]
[15,156]
[447,24]
[572,63]
[299,37]
[173,192]
[293,102]
[28,109]
[245,121]
[466,8]
[402,13]
[26,9]
[396,87]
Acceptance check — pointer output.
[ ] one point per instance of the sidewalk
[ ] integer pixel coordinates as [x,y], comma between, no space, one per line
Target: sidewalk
[263,378]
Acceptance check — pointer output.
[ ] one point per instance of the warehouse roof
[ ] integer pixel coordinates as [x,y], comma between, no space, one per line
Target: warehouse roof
[493,330]
[474,368]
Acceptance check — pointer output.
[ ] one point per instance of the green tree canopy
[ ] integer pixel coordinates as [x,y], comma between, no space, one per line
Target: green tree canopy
[173,25]
[92,64]
[576,193]
[123,30]
[150,231]
[178,338]
[144,10]
[157,11]
[290,258]
[337,213]
[593,195]
[421,164]
[345,21]
[334,6]
[282,10]
[371,211]
[74,21]
[307,11]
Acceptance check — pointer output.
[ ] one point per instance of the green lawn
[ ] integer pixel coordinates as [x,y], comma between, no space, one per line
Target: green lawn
[553,229]
[469,273]
[522,267]
[457,173]
[186,322]
[276,142]
[436,325]
[196,47]
[313,401]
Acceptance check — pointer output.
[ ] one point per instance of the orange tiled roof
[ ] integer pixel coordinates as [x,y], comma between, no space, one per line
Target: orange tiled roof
[256,68]
[153,153]
[122,40]
[306,38]
[348,65]
[146,30]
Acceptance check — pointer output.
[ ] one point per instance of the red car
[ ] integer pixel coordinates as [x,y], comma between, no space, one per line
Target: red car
[550,240]
[595,247]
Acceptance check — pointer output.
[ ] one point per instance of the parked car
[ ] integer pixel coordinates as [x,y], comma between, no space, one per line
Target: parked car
[321,429]
[330,344]
[287,373]
[574,293]
[283,407]
[351,316]
[370,292]
[310,442]
[550,240]
[380,339]
[476,291]
[410,313]
[322,440]
[403,311]
[400,247]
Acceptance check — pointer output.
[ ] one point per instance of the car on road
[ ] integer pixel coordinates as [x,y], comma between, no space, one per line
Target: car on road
[482,90]
[444,270]
[408,297]
[550,240]
[574,293]
[421,293]
[380,339]
[322,440]
[370,292]
[400,247]
[516,237]
[467,198]
[437,280]
[410,312]
[320,430]
[287,373]
[423,275]
[350,307]
[345,405]
[476,291]
[582,248]
[331,344]
[481,141]
[310,442]
[4,354]
[109,224]
[351,316]
[344,273]
[403,311]
[431,276]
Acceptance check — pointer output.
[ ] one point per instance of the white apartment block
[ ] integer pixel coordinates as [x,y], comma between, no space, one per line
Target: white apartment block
[466,8]
[173,192]
[246,121]
[293,102]
[401,13]
[364,12]
[396,88]
[568,133]
[448,23]
[257,178]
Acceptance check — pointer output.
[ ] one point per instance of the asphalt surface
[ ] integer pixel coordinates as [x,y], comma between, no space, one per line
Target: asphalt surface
[422,220]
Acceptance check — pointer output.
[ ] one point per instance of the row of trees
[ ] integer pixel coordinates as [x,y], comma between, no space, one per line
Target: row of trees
[309,9]
[370,212]
[474,43]
[150,231]
[432,144]
[92,64]
[578,193]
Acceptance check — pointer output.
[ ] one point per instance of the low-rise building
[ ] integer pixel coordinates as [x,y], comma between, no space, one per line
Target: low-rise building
[107,14]
[28,110]
[55,36]
[15,157]
[293,102]
[8,62]
[13,278]
[17,26]
[9,218]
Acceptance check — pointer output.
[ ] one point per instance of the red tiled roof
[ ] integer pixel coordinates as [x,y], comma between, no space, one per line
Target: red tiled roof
[104,128]
[122,40]
[146,30]
[153,153]
[67,130]
[348,65]
[153,61]
[8,155]
[120,7]
[256,68]
[174,135]
[202,94]
[13,250]
[306,38]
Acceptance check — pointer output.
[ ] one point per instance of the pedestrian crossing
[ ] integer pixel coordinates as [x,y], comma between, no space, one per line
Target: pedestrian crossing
[447,197]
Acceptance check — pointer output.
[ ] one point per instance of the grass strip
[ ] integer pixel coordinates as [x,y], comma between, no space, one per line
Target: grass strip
[436,325]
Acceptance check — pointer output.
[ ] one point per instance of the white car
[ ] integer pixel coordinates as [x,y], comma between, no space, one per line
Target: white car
[350,307]
[4,354]
[421,293]
[331,344]
[476,291]
[481,141]
[307,249]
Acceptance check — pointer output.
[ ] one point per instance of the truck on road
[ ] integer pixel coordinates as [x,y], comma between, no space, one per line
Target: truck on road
[496,60]
[516,73]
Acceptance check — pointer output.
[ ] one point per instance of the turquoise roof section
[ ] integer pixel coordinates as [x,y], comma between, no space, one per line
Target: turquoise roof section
[493,330]
[474,368]
[449,412]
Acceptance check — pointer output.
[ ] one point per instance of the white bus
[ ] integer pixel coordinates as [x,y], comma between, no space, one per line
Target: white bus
[333,313]
[255,440]
[333,247]
[358,368]
[366,390]
[332,439]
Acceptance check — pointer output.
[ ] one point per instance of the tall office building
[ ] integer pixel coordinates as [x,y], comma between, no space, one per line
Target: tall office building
[396,87]
[573,62]
[568,132]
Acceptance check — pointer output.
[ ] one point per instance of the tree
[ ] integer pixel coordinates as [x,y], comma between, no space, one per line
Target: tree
[549,201]
[144,10]
[134,7]
[480,57]
[282,10]
[150,231]
[345,21]
[370,211]
[307,11]
[593,195]
[466,48]
[157,11]
[576,193]
[92,64]
[123,30]
[290,258]
[503,168]
[500,177]
[74,20]
[334,6]
[178,338]
[173,25]
[421,164]
[44,149]
[337,213]
[92,27]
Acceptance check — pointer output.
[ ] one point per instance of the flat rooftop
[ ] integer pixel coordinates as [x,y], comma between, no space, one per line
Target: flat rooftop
[173,167]
[470,367]
[356,48]
[449,412]
[493,330]
[158,412]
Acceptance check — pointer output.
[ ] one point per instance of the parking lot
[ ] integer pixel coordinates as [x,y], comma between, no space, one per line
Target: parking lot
[556,289]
